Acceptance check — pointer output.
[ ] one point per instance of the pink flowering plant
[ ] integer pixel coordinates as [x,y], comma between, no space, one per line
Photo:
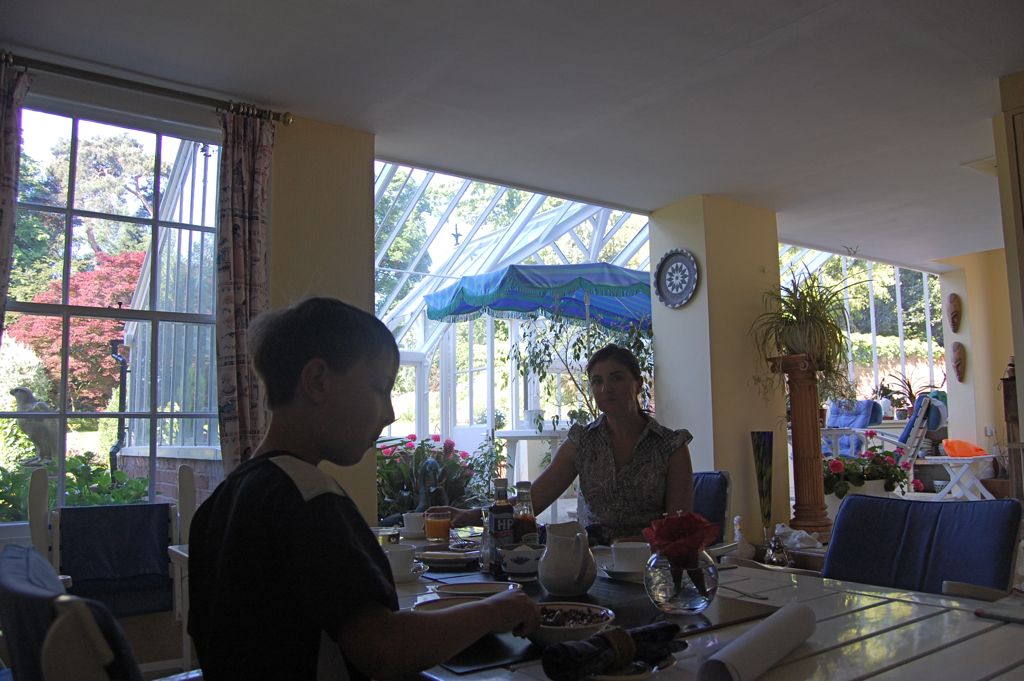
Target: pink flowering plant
[414,473]
[875,463]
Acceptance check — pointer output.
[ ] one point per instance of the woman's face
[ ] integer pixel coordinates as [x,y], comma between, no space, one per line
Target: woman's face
[614,388]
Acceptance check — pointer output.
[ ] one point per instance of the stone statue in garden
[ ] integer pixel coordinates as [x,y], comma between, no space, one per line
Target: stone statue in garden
[43,433]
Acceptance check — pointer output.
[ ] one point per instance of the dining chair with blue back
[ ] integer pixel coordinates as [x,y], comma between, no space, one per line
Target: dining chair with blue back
[924,546]
[711,498]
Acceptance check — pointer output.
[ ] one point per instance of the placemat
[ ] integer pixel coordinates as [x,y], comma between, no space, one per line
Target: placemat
[493,650]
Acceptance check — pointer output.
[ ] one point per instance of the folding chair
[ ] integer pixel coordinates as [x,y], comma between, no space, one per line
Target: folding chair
[842,432]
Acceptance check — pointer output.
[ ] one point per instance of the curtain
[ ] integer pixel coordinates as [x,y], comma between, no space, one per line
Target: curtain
[13,86]
[242,280]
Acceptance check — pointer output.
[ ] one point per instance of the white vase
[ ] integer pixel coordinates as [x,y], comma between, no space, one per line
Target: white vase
[871,488]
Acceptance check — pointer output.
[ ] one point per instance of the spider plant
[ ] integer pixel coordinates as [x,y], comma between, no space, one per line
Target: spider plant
[807,316]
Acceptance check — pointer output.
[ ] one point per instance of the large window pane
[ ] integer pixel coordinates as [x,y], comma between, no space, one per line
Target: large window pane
[106,262]
[94,373]
[30,358]
[45,154]
[38,256]
[188,182]
[185,379]
[115,170]
[187,269]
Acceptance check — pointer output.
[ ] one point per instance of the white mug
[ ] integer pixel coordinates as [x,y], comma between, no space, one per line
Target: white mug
[400,558]
[413,524]
[630,556]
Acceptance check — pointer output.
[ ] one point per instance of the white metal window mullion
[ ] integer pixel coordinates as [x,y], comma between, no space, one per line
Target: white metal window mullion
[899,320]
[492,361]
[874,328]
[850,365]
[928,327]
[154,306]
[394,202]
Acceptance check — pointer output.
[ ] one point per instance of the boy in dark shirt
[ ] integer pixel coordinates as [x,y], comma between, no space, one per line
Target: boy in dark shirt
[286,581]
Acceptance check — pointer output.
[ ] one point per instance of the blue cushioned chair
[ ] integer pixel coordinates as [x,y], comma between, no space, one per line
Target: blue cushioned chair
[923,546]
[28,585]
[711,498]
[844,418]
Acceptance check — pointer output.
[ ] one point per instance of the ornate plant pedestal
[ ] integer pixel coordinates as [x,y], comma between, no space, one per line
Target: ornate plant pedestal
[809,510]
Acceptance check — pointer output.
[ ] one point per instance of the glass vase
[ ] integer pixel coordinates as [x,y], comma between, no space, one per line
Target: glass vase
[679,590]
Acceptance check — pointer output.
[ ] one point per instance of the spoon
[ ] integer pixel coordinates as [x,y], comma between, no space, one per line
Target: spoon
[743,593]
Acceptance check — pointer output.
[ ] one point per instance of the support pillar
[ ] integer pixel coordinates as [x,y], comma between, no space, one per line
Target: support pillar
[809,510]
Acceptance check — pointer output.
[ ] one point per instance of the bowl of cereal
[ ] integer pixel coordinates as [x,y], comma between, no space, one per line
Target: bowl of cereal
[569,622]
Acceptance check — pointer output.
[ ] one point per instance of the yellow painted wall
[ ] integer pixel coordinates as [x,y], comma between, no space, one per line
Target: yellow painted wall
[1008,127]
[704,357]
[981,281]
[322,238]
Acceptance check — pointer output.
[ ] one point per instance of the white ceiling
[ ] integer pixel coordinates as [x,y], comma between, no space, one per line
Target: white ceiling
[850,118]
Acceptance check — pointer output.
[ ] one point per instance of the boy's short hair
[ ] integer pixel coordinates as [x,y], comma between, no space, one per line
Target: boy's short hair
[282,342]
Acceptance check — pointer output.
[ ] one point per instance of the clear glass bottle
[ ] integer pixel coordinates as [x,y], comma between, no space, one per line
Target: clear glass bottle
[524,522]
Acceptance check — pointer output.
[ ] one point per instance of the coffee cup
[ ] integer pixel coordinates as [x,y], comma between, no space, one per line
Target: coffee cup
[400,558]
[413,524]
[630,556]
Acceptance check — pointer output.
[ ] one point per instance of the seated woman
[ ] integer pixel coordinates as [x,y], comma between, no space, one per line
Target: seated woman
[631,468]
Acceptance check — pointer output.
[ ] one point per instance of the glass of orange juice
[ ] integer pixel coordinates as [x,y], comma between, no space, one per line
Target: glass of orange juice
[438,525]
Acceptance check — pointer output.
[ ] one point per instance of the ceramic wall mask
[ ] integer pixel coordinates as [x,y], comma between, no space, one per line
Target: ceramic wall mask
[959,361]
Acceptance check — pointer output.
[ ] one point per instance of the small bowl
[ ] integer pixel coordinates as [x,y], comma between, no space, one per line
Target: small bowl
[548,634]
[443,603]
[475,589]
[521,559]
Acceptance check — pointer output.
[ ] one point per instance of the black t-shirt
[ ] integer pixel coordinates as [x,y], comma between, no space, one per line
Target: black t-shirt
[278,554]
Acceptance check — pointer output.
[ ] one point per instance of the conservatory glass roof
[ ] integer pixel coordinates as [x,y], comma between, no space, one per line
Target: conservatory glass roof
[433,228]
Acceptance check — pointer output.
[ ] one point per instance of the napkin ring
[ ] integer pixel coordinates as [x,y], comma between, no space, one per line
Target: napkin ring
[621,644]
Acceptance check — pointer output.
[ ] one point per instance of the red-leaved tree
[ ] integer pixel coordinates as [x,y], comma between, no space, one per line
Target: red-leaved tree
[92,372]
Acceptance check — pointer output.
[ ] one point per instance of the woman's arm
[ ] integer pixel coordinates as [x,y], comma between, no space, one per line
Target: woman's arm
[679,488]
[385,644]
[556,478]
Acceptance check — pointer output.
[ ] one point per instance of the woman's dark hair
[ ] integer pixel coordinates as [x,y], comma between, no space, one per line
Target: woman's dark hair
[282,342]
[616,353]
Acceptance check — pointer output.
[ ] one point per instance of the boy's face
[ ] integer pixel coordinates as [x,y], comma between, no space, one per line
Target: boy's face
[359,408]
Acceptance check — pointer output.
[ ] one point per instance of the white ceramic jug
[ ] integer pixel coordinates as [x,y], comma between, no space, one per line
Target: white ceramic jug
[567,567]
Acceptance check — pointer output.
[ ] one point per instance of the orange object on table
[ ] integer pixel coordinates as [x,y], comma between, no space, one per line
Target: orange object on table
[962,448]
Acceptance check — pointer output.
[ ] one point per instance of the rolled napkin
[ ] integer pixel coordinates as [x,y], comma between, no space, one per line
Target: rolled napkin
[610,649]
[753,653]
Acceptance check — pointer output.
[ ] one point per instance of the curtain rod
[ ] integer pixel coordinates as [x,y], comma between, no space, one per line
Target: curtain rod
[234,107]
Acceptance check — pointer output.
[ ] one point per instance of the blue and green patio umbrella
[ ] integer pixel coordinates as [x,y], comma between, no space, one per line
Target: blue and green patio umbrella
[612,296]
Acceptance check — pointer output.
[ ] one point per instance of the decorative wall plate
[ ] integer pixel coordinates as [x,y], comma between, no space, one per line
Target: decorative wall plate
[675,280]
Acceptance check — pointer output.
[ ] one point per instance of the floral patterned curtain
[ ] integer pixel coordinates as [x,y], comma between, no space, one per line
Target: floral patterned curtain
[13,86]
[242,279]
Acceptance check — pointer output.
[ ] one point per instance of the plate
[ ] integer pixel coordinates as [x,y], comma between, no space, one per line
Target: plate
[635,671]
[469,532]
[439,558]
[418,569]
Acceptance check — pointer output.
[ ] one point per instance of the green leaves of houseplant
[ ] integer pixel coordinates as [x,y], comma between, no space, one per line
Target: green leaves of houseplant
[807,316]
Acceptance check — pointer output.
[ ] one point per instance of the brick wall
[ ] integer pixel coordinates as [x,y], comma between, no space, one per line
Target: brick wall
[208,474]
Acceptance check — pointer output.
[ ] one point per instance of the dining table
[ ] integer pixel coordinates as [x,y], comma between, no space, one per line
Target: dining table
[861,631]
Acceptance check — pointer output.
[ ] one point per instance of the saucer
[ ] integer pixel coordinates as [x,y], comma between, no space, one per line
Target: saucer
[635,671]
[418,569]
[637,577]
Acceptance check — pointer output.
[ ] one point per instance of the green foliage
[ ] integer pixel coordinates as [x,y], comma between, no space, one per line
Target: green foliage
[806,316]
[888,348]
[87,482]
[557,343]
[841,472]
[487,461]
[416,473]
[20,367]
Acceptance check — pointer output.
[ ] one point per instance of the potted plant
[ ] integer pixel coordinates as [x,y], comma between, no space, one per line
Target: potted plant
[416,473]
[567,343]
[806,316]
[876,472]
